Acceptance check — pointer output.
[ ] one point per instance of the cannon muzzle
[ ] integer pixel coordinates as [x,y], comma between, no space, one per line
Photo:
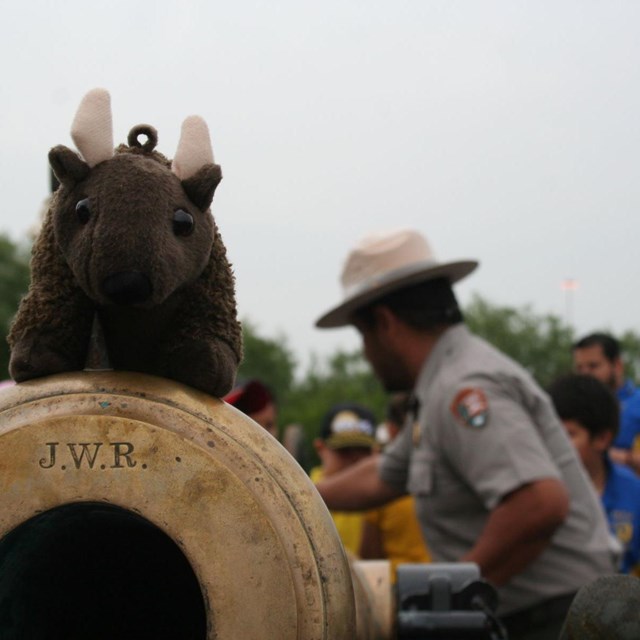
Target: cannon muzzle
[133,507]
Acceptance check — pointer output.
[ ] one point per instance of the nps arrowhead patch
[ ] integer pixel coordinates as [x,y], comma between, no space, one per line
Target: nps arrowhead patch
[471,408]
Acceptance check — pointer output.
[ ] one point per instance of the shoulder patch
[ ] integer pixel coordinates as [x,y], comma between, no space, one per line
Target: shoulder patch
[471,408]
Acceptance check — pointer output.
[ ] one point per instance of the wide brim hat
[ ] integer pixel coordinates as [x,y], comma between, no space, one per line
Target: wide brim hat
[385,262]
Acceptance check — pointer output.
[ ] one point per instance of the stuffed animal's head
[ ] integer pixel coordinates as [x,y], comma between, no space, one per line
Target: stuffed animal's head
[132,226]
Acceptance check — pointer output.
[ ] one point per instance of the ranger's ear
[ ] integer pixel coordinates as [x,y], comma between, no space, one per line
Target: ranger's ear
[201,186]
[68,166]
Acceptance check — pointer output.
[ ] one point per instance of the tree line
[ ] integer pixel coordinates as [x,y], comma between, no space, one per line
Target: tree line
[540,342]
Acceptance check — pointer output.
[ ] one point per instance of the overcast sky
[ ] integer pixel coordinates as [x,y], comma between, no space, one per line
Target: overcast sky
[506,131]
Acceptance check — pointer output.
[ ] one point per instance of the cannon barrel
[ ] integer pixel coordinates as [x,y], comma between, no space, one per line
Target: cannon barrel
[134,507]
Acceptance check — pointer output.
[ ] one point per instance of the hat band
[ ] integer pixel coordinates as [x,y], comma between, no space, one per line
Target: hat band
[347,440]
[376,281]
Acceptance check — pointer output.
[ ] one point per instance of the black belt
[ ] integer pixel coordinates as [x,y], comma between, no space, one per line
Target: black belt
[540,614]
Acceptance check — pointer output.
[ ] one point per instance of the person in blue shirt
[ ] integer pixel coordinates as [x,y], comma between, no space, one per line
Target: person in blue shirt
[599,355]
[590,414]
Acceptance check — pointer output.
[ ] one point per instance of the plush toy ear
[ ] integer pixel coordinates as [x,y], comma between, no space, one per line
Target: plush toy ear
[201,186]
[68,167]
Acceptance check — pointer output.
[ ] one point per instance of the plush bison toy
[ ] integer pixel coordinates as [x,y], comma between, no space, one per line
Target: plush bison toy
[129,240]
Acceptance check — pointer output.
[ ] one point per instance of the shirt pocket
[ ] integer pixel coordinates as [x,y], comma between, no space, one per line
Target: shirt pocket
[421,473]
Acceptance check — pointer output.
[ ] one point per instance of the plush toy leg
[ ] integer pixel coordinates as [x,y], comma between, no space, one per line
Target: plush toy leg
[144,340]
[43,351]
[51,347]
[206,365]
[206,346]
[50,333]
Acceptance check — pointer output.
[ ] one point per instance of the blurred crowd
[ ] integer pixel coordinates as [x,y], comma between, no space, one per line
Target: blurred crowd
[473,461]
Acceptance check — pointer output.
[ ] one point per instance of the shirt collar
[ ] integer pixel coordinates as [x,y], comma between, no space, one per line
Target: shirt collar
[444,347]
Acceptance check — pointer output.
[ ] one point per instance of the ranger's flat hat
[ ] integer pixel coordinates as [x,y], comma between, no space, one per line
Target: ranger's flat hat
[384,262]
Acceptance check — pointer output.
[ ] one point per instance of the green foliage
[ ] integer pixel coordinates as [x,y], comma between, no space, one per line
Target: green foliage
[338,378]
[14,281]
[343,377]
[541,343]
[269,359]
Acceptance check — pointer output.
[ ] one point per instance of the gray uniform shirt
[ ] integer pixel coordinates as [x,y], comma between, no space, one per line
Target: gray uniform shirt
[484,429]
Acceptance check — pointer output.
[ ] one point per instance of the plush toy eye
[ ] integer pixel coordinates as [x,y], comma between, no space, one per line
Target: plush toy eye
[83,211]
[182,223]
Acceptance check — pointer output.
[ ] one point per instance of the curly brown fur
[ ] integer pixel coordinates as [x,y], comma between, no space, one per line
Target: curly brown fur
[110,246]
[41,330]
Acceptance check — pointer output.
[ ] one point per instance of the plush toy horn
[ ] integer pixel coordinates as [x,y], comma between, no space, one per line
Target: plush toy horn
[92,129]
[194,149]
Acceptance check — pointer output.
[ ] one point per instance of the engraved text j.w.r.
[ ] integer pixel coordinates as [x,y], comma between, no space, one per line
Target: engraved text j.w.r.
[113,455]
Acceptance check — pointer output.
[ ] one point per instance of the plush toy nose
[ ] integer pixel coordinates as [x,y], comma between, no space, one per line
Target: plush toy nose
[127,287]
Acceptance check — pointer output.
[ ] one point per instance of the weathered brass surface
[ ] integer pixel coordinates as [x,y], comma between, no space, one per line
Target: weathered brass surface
[374,603]
[258,537]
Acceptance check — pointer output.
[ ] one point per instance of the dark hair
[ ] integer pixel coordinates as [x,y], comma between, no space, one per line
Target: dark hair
[610,346]
[422,306]
[586,400]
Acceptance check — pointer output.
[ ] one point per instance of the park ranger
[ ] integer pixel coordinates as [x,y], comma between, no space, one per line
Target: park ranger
[495,478]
